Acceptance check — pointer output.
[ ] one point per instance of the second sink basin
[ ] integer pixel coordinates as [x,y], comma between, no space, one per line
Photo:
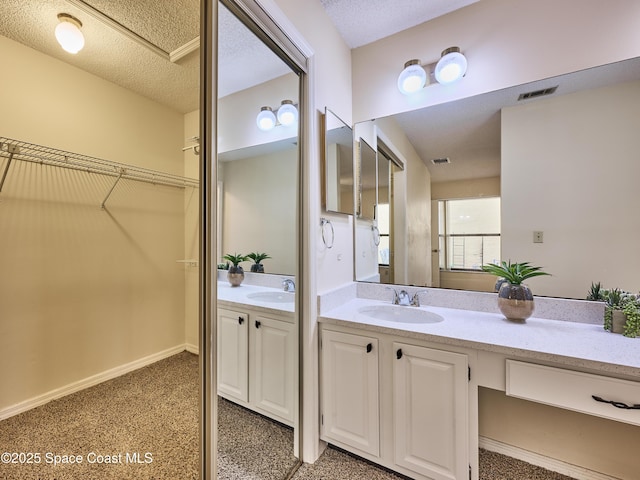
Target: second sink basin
[400,314]
[273,297]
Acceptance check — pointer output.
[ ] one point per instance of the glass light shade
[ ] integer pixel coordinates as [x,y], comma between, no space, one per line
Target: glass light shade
[266,119]
[451,67]
[68,34]
[412,78]
[287,113]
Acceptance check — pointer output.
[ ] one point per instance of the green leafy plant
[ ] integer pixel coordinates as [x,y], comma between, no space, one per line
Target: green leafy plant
[235,259]
[617,299]
[514,273]
[257,257]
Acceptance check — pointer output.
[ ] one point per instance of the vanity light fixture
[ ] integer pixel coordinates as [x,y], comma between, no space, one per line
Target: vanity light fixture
[287,115]
[266,119]
[451,67]
[412,78]
[68,33]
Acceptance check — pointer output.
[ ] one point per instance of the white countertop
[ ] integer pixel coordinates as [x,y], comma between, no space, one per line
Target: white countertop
[232,296]
[570,343]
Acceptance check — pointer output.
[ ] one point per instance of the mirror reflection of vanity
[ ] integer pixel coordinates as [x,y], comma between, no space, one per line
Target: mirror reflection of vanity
[561,163]
[258,180]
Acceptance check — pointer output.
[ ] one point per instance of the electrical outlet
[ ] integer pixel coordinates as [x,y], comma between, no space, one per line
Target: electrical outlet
[537,237]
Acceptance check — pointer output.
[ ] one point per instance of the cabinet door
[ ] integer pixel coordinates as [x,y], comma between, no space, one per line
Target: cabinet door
[273,370]
[430,403]
[350,391]
[233,355]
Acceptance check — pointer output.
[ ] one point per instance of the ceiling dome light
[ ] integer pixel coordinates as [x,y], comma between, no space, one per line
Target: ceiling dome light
[287,113]
[412,78]
[266,119]
[68,33]
[451,67]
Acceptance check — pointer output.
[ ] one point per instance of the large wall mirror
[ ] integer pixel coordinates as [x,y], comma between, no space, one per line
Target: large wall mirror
[258,190]
[561,161]
[337,165]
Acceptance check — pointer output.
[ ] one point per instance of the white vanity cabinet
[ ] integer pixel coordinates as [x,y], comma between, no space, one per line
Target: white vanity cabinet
[350,407]
[256,361]
[403,405]
[430,411]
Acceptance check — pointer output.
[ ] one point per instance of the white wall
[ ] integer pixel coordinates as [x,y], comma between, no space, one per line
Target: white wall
[82,289]
[506,43]
[585,143]
[331,84]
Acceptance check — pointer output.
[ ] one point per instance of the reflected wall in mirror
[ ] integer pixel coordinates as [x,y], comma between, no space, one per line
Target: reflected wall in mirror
[258,185]
[367,181]
[337,166]
[563,164]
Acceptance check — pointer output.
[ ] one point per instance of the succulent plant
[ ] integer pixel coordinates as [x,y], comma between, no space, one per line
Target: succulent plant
[514,273]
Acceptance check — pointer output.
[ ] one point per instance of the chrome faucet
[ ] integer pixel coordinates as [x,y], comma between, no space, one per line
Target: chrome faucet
[289,285]
[403,298]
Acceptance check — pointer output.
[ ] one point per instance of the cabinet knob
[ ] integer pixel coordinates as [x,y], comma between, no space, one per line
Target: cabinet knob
[240,320]
[258,324]
[369,347]
[399,354]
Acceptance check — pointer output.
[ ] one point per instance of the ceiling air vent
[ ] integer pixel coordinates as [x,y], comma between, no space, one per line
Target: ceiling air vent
[440,161]
[538,93]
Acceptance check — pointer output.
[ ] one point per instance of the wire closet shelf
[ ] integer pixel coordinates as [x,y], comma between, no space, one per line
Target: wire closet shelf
[11,149]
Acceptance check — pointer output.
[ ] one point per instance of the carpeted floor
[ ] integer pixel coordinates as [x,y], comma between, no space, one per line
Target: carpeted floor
[146,424]
[337,465]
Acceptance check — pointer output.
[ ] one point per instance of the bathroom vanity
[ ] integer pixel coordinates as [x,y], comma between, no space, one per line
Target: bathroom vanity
[400,388]
[256,349]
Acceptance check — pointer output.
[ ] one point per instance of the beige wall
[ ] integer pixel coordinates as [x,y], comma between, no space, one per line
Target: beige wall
[504,44]
[591,442]
[570,169]
[191,235]
[259,209]
[82,289]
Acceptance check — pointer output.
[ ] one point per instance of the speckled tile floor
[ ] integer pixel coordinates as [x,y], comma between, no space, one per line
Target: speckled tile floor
[154,410]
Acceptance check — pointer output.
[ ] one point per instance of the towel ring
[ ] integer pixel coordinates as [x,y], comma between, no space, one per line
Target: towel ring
[376,235]
[323,222]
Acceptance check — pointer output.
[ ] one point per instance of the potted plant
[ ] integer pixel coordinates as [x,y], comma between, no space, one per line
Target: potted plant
[622,310]
[236,273]
[257,258]
[515,299]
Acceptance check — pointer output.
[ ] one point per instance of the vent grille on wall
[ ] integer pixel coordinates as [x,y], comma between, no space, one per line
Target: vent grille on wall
[537,93]
[440,161]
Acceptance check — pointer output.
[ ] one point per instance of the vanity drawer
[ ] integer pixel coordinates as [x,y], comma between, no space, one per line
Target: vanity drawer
[575,391]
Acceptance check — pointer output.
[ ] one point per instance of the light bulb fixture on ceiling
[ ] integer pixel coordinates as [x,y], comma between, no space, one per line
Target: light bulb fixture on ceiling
[68,33]
[451,67]
[287,115]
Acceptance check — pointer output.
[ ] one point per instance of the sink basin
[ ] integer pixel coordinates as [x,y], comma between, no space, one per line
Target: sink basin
[273,297]
[400,314]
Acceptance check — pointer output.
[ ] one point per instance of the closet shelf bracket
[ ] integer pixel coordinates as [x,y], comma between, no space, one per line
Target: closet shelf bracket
[12,150]
[122,172]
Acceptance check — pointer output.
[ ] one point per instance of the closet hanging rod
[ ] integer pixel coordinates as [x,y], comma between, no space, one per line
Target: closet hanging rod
[29,152]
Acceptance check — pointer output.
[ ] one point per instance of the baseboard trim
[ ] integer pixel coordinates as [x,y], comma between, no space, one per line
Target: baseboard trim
[574,471]
[89,382]
[191,348]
